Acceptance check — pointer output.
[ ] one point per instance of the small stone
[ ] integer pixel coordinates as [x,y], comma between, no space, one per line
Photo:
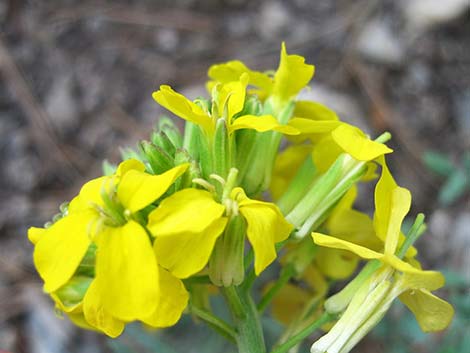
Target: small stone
[21,172]
[167,39]
[239,25]
[16,209]
[440,224]
[274,19]
[462,115]
[422,14]
[61,106]
[420,76]
[7,337]
[46,332]
[377,42]
[460,243]
[461,232]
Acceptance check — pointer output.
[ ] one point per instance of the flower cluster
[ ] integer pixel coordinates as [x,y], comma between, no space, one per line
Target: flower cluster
[216,205]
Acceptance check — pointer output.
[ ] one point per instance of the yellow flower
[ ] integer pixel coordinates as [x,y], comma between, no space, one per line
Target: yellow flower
[128,284]
[290,303]
[410,283]
[228,100]
[349,139]
[347,224]
[192,219]
[291,76]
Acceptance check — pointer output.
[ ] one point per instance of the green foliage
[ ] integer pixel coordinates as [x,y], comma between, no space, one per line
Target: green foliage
[457,176]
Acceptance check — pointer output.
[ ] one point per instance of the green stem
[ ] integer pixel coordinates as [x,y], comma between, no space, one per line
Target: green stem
[249,332]
[299,337]
[202,279]
[249,280]
[218,324]
[414,233]
[286,274]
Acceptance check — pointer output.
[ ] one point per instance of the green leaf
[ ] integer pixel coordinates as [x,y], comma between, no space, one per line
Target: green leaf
[453,188]
[438,163]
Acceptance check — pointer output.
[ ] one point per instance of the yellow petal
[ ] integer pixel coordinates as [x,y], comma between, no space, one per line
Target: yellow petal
[286,166]
[187,253]
[308,126]
[335,263]
[431,312]
[413,277]
[232,70]
[346,202]
[183,107]
[354,226]
[35,234]
[90,194]
[129,164]
[289,302]
[325,153]
[138,190]
[231,96]
[316,281]
[353,141]
[314,111]
[96,314]
[61,248]
[391,201]
[292,75]
[126,271]
[79,320]
[265,227]
[261,124]
[401,203]
[188,210]
[171,303]
[335,243]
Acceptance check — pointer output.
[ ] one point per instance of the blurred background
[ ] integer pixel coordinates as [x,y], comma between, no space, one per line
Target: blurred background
[76,79]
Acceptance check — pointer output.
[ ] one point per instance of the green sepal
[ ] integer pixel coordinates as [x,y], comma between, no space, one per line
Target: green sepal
[73,292]
[259,164]
[129,153]
[316,195]
[221,153]
[87,265]
[298,186]
[326,191]
[252,106]
[158,159]
[205,155]
[171,130]
[226,265]
[108,168]
[205,104]
[185,181]
[245,141]
[160,139]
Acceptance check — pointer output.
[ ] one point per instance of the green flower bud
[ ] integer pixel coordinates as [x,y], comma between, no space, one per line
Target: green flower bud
[226,265]
[159,160]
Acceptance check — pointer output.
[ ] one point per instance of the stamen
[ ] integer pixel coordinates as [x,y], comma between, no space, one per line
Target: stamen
[205,184]
[218,178]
